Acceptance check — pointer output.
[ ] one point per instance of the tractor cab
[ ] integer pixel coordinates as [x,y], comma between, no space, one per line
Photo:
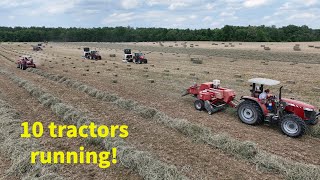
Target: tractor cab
[257,85]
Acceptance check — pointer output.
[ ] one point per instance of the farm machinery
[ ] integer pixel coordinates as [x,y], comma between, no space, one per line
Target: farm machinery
[24,62]
[94,55]
[291,115]
[128,57]
[37,48]
[137,58]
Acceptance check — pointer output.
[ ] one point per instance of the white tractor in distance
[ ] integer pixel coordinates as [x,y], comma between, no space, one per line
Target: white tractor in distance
[128,56]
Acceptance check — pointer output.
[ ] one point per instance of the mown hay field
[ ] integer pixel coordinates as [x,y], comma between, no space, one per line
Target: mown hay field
[165,125]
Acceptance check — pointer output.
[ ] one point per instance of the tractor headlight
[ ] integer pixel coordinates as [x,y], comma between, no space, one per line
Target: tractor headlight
[308,109]
[309,113]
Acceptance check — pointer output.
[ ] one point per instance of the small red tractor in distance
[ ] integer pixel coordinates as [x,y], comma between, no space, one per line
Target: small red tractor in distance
[211,97]
[293,116]
[94,55]
[24,62]
[139,58]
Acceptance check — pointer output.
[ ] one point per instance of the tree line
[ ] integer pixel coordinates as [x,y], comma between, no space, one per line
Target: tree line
[290,33]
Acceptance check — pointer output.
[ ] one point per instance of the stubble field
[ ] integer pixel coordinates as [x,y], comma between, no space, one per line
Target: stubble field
[194,144]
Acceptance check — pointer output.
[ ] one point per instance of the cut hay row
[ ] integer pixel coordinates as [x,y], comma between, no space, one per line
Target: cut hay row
[18,149]
[140,161]
[242,149]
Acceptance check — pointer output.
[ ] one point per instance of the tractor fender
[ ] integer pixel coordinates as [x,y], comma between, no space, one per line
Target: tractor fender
[262,106]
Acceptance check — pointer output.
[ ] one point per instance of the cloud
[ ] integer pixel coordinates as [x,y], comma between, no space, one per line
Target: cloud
[254,3]
[129,4]
[177,5]
[306,15]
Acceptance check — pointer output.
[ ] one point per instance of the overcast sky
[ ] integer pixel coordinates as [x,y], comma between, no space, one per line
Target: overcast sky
[193,14]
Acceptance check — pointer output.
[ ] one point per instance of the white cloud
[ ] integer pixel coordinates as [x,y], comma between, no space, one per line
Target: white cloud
[129,4]
[11,17]
[224,14]
[254,3]
[210,6]
[310,2]
[177,5]
[207,18]
[306,16]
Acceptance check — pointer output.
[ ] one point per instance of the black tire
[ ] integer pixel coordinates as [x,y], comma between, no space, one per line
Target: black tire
[314,122]
[199,105]
[293,126]
[249,112]
[18,65]
[146,61]
[24,66]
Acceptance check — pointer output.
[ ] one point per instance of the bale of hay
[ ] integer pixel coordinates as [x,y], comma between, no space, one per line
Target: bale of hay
[151,80]
[206,72]
[296,48]
[267,48]
[112,55]
[226,45]
[114,81]
[291,82]
[263,45]
[311,46]
[166,70]
[317,47]
[192,74]
[316,89]
[238,76]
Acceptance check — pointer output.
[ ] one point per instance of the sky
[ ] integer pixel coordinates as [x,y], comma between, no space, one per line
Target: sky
[193,14]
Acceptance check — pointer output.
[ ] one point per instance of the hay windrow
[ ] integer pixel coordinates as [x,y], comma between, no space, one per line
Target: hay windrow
[246,150]
[17,149]
[146,165]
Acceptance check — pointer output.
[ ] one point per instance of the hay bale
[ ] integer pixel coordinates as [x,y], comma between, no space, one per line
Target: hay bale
[311,46]
[263,45]
[192,74]
[267,48]
[206,72]
[151,80]
[114,81]
[166,70]
[238,76]
[112,55]
[291,82]
[316,89]
[239,80]
[296,48]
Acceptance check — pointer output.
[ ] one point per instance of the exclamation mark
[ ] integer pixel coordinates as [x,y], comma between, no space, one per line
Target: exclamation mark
[114,155]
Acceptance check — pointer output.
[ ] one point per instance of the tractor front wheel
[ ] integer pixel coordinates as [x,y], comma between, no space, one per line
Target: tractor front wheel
[250,112]
[292,125]
[199,105]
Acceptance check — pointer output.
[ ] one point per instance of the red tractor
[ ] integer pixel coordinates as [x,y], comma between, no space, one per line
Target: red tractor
[293,116]
[139,58]
[94,55]
[24,62]
[211,97]
[290,114]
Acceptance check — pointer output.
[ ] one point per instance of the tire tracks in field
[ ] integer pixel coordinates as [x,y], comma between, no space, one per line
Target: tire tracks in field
[187,152]
[140,161]
[30,111]
[257,156]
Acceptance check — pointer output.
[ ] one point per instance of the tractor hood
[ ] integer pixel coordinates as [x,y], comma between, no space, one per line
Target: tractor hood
[298,103]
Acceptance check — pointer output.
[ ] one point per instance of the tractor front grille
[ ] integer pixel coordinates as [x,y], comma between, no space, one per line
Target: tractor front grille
[310,114]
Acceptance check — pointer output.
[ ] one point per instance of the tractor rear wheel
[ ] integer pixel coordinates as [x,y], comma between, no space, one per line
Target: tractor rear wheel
[292,125]
[199,105]
[24,66]
[249,112]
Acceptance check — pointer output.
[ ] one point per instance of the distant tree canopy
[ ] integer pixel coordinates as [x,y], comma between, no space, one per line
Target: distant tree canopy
[289,33]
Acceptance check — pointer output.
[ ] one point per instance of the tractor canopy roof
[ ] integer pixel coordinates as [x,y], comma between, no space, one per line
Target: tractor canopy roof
[26,56]
[264,81]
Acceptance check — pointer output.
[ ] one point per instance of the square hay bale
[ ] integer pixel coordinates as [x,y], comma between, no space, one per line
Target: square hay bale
[267,48]
[296,48]
[151,80]
[112,55]
[311,46]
